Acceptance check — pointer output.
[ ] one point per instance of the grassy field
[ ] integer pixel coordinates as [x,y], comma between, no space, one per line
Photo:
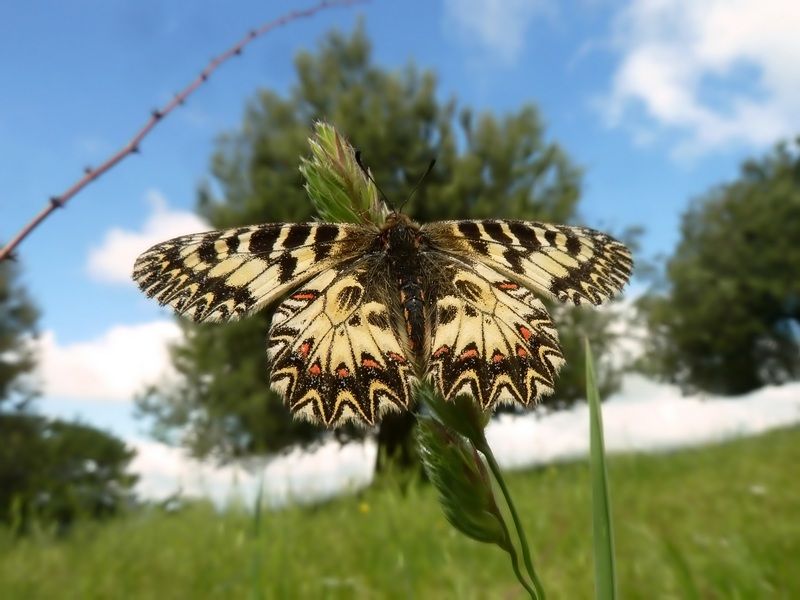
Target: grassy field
[716,522]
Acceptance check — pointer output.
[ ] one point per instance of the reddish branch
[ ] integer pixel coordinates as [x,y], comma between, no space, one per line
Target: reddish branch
[131,147]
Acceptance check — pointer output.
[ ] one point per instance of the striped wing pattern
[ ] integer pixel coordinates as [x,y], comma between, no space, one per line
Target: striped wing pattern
[571,264]
[226,275]
[339,341]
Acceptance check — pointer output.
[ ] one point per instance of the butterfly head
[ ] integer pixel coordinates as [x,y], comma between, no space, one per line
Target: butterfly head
[396,219]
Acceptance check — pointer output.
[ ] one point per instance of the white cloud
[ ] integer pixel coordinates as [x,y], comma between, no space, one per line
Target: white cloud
[113,260]
[328,470]
[500,26]
[114,366]
[644,416]
[719,72]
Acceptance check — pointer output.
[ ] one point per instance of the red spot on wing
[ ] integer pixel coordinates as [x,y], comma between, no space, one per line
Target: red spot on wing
[315,369]
[526,333]
[497,357]
[472,353]
[397,357]
[507,285]
[521,351]
[370,364]
[304,296]
[441,351]
[304,349]
[343,372]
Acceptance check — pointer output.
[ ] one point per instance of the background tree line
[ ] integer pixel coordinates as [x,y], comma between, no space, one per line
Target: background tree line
[725,317]
[51,471]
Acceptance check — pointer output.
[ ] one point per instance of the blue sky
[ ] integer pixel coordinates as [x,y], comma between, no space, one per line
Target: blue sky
[657,100]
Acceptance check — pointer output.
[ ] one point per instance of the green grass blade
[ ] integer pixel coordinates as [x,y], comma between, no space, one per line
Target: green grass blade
[605,573]
[256,574]
[682,570]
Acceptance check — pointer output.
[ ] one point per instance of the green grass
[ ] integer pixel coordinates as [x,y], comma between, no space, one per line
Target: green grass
[687,525]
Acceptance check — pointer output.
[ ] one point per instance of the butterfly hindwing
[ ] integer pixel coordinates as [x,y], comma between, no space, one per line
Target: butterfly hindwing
[337,351]
[225,275]
[571,264]
[492,339]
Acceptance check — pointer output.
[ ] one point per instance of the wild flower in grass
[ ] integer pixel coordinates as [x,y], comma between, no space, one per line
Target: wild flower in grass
[338,187]
[453,448]
[465,489]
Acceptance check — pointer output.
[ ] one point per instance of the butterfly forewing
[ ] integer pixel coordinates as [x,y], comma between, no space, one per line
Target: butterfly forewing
[571,264]
[225,275]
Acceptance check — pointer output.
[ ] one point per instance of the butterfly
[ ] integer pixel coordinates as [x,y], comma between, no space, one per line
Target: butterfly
[365,310]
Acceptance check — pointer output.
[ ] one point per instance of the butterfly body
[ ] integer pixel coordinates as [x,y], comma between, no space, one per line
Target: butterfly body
[403,245]
[367,310]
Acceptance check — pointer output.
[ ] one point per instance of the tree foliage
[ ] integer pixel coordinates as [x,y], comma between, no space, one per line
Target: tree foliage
[18,318]
[49,470]
[728,320]
[487,166]
[55,471]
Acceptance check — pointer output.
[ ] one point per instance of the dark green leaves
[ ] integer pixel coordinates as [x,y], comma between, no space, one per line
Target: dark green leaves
[728,319]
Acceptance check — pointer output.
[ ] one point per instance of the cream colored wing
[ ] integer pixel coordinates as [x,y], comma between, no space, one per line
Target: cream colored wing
[226,275]
[572,264]
[337,351]
[492,339]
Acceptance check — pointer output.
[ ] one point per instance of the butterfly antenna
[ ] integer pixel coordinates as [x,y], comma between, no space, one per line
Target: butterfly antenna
[375,183]
[372,179]
[416,185]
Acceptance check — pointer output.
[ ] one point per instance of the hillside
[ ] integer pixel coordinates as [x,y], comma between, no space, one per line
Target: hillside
[718,522]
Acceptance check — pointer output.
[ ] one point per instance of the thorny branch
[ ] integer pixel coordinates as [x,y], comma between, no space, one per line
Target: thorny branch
[90,174]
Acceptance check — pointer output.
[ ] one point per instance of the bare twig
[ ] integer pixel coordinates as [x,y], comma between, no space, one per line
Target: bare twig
[132,146]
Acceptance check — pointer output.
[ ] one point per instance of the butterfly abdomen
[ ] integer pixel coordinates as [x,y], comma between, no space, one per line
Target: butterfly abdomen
[402,246]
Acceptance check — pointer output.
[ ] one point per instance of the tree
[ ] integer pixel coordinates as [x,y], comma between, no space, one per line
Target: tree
[486,167]
[17,328]
[57,471]
[726,322]
[49,469]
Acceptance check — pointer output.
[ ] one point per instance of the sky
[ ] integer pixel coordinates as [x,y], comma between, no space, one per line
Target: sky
[658,101]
